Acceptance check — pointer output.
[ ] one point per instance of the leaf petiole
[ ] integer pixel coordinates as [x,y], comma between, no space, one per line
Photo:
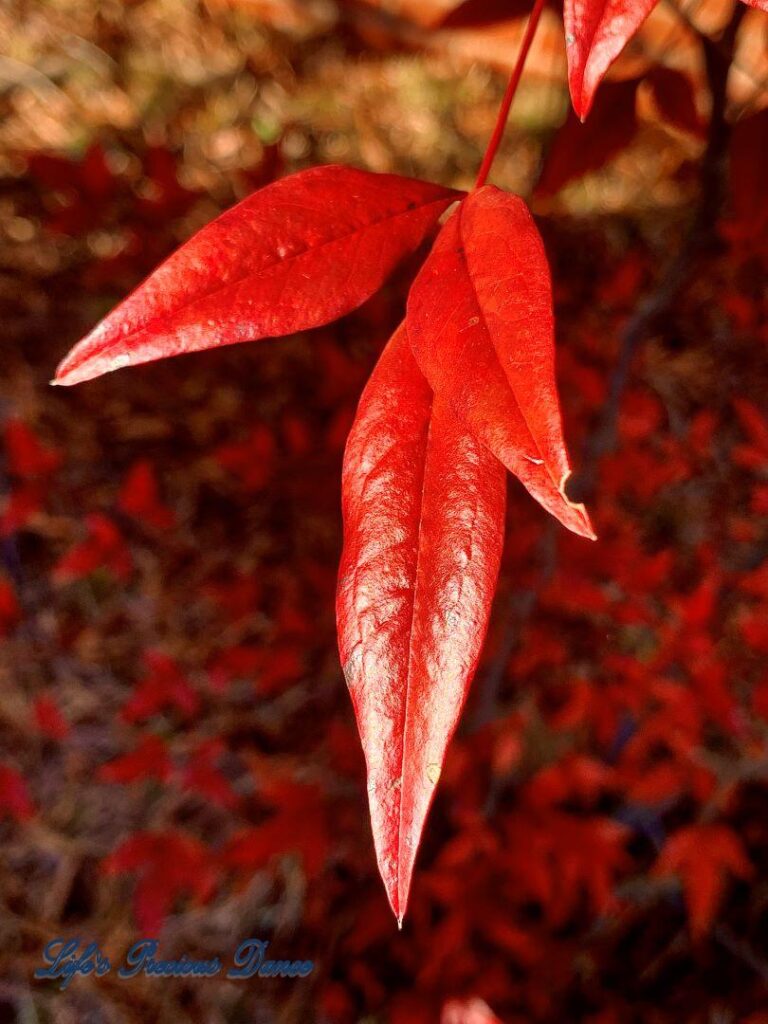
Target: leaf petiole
[509,95]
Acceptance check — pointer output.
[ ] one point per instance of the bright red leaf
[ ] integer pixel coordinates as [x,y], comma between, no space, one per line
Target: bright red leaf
[22,505]
[298,825]
[297,254]
[481,326]
[423,510]
[148,760]
[596,31]
[168,865]
[251,460]
[235,597]
[10,611]
[103,548]
[203,777]
[163,688]
[14,795]
[48,717]
[26,456]
[139,497]
[703,856]
[240,662]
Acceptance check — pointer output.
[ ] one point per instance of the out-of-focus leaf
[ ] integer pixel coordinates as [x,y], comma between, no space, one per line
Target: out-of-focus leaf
[580,148]
[596,31]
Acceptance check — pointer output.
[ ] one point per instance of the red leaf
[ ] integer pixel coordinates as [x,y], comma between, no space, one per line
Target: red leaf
[10,610]
[481,327]
[236,597]
[22,505]
[299,824]
[203,777]
[164,687]
[104,548]
[14,796]
[83,188]
[423,510]
[580,148]
[703,855]
[297,254]
[240,662]
[168,864]
[26,456]
[252,460]
[48,718]
[149,760]
[140,497]
[596,31]
[282,666]
[755,426]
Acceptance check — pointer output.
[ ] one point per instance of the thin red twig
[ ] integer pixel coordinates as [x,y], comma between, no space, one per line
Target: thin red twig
[509,95]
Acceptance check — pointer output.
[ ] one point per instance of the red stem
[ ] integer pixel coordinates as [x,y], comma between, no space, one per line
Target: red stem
[509,95]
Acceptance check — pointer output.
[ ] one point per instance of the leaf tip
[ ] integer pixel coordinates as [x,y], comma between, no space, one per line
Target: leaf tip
[65,380]
[579,99]
[80,365]
[67,372]
[582,99]
[396,903]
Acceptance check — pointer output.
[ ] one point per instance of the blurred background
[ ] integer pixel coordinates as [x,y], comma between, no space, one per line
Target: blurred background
[178,755]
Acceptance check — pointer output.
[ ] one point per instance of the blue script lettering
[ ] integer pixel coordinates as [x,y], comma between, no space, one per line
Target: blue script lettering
[140,959]
[63,962]
[250,961]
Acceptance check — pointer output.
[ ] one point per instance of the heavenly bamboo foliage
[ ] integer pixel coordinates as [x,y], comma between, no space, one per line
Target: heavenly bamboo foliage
[423,479]
[596,31]
[465,388]
[423,506]
[296,254]
[481,327]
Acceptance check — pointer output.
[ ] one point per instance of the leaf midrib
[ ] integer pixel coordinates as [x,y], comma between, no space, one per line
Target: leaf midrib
[406,702]
[264,270]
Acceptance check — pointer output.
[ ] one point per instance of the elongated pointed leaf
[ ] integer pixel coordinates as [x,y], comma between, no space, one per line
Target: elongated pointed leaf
[297,254]
[423,510]
[481,327]
[596,31]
